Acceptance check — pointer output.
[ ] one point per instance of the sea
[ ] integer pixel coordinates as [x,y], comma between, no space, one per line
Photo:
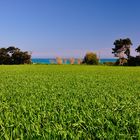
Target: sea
[65,61]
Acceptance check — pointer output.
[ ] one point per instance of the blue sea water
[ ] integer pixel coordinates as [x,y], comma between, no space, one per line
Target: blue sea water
[53,60]
[107,60]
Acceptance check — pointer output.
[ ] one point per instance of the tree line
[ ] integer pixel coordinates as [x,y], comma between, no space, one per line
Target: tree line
[13,55]
[123,52]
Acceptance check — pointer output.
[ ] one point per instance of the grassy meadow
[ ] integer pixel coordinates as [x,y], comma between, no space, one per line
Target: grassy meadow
[69,102]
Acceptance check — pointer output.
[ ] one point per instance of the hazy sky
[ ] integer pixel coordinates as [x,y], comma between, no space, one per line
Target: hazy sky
[68,28]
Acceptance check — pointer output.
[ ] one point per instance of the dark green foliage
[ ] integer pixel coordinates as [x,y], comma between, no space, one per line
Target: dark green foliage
[91,59]
[134,61]
[122,62]
[21,58]
[122,45]
[138,49]
[109,63]
[12,55]
[4,56]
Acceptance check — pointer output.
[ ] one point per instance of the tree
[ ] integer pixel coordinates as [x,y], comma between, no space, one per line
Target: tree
[4,56]
[138,49]
[20,57]
[91,59]
[12,55]
[12,49]
[122,49]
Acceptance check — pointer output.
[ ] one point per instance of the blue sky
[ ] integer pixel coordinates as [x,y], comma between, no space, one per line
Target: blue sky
[68,28]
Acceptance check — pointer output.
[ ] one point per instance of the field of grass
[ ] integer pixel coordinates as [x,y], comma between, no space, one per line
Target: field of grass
[69,102]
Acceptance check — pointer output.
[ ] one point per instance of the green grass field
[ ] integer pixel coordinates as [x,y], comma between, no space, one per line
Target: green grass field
[69,102]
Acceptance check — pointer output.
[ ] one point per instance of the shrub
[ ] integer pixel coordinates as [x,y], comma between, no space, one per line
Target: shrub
[121,62]
[59,60]
[72,60]
[91,59]
[134,61]
[109,63]
[79,61]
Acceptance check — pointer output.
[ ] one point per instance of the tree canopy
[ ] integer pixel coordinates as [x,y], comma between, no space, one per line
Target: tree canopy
[13,55]
[138,49]
[122,48]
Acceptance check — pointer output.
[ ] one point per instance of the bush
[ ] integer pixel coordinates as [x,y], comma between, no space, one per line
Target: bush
[91,59]
[121,62]
[134,61]
[109,63]
[59,60]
